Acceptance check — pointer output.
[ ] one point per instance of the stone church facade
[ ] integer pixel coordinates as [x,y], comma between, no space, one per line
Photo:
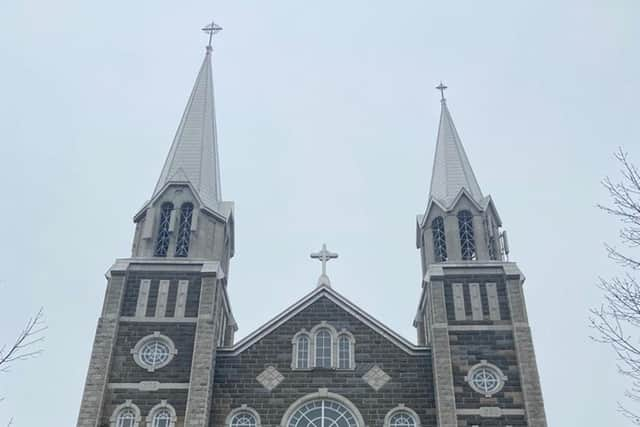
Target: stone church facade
[164,353]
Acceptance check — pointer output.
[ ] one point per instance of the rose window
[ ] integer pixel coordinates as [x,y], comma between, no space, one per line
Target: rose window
[486,378]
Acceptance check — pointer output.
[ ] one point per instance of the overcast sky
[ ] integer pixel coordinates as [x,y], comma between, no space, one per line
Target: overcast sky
[327,118]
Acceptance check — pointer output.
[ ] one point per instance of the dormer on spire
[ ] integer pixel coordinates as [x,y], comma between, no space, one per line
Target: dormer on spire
[460,223]
[186,217]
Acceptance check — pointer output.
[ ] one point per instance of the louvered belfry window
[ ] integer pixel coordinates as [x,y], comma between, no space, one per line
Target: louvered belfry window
[467,241]
[184,231]
[162,241]
[439,241]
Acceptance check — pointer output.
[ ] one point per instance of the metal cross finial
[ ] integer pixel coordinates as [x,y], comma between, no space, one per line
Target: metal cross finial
[441,87]
[324,256]
[212,29]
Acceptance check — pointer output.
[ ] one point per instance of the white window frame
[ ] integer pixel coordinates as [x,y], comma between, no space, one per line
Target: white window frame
[242,408]
[294,354]
[143,341]
[322,393]
[128,404]
[352,341]
[333,347]
[162,405]
[312,337]
[502,378]
[401,408]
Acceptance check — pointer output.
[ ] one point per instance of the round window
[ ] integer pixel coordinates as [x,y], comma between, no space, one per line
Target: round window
[154,352]
[323,413]
[486,379]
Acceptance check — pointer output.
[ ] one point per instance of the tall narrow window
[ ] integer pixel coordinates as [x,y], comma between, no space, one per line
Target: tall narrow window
[125,415]
[162,241]
[344,352]
[323,349]
[439,241]
[126,418]
[162,418]
[467,242]
[184,232]
[302,356]
[223,331]
[491,237]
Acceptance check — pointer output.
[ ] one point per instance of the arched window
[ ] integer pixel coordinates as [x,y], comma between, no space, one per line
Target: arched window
[467,241]
[323,349]
[323,412]
[490,231]
[184,231]
[344,352]
[302,356]
[401,416]
[162,415]
[162,418]
[243,417]
[126,418]
[439,241]
[162,241]
[402,419]
[125,415]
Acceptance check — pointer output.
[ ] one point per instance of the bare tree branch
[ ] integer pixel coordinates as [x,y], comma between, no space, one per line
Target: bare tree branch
[617,320]
[25,345]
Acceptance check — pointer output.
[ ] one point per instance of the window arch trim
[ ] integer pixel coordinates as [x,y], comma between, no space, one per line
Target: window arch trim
[332,345]
[294,356]
[312,335]
[351,364]
[398,409]
[137,349]
[240,409]
[322,393]
[160,406]
[128,404]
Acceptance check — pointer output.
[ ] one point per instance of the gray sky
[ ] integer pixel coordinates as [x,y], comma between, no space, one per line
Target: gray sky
[327,121]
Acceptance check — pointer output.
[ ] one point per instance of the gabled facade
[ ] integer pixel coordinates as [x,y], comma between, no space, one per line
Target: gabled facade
[165,354]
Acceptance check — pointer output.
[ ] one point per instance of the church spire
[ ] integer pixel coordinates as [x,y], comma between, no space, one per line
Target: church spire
[452,170]
[193,157]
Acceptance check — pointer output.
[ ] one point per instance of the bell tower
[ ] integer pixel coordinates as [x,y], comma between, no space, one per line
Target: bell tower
[472,310]
[166,309]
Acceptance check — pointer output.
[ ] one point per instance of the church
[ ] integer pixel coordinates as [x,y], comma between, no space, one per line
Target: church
[165,354]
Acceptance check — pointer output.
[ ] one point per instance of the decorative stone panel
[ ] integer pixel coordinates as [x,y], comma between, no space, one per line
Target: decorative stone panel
[376,378]
[270,378]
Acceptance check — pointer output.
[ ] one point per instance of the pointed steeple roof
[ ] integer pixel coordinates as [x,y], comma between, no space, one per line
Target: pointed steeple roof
[452,171]
[193,157]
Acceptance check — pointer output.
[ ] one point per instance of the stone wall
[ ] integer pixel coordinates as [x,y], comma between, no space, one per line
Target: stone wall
[411,376]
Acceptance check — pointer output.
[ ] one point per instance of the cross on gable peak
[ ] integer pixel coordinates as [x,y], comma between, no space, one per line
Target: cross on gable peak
[324,256]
